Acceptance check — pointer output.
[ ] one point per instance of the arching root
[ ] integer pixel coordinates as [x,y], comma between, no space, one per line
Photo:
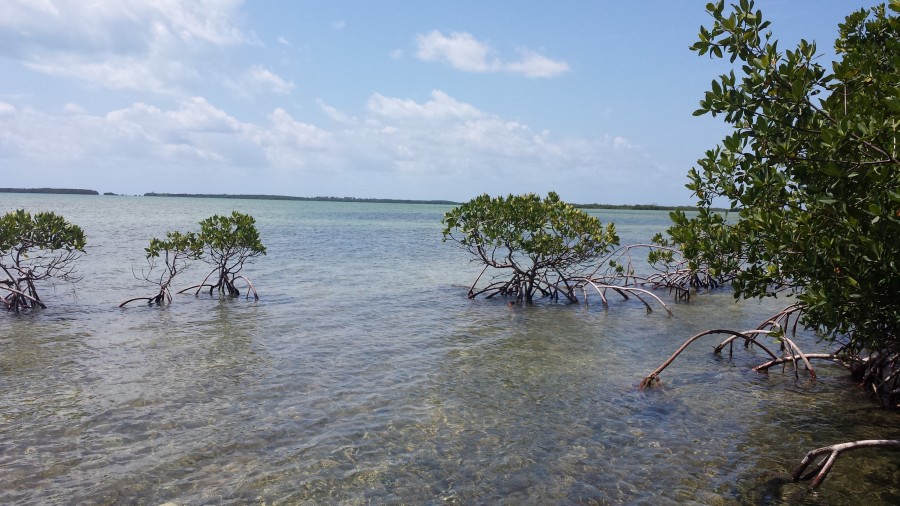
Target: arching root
[249,288]
[624,291]
[775,326]
[653,377]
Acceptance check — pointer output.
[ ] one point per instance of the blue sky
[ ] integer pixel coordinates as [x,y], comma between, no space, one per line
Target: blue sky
[389,99]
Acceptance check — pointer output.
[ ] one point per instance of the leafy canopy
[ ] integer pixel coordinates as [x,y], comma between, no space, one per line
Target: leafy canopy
[528,235]
[810,170]
[229,241]
[34,248]
[21,232]
[183,244]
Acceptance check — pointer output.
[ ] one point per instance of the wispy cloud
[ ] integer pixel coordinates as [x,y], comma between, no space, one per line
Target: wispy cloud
[464,52]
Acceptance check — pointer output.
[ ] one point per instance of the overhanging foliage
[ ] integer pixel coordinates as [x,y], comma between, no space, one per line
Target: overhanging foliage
[810,170]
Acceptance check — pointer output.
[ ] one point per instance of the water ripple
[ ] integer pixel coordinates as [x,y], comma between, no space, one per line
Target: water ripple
[364,375]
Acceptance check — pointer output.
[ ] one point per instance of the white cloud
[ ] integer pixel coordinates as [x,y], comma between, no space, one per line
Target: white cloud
[335,115]
[291,144]
[536,65]
[461,50]
[437,148]
[71,108]
[117,73]
[258,80]
[441,106]
[464,52]
[198,115]
[142,45]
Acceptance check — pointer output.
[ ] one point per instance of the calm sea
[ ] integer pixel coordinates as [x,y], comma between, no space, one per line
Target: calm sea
[365,376]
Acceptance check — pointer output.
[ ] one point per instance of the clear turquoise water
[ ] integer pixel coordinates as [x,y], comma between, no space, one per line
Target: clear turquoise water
[364,375]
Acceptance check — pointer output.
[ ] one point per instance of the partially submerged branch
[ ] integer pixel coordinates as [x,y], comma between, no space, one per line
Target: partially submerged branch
[820,470]
[176,251]
[773,327]
[653,377]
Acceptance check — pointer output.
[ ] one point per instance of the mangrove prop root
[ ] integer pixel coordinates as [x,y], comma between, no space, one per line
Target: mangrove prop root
[250,288]
[472,288]
[793,358]
[225,285]
[718,349]
[201,285]
[780,320]
[821,469]
[163,296]
[794,348]
[156,299]
[880,372]
[129,301]
[654,376]
[623,291]
[19,299]
[198,287]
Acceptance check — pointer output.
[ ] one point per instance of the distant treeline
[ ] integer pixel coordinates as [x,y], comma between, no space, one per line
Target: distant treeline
[635,207]
[75,191]
[62,191]
[286,197]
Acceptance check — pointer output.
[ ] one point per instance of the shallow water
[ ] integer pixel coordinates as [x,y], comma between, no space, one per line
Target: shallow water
[364,375]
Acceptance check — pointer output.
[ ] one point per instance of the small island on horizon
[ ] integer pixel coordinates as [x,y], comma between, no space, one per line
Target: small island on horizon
[76,191]
[60,191]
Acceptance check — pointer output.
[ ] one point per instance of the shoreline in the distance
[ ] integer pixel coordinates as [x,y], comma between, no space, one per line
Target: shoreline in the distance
[77,191]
